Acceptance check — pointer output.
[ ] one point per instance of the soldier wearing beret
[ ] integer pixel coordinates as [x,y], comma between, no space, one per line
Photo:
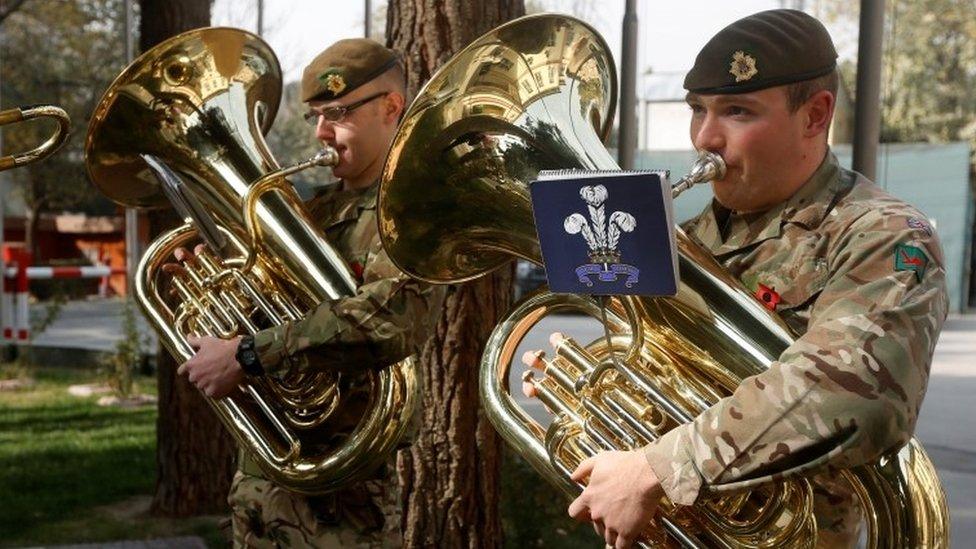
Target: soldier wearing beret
[857,274]
[355,91]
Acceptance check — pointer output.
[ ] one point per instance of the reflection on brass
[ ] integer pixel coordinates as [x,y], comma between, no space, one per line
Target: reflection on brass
[538,93]
[184,124]
[42,151]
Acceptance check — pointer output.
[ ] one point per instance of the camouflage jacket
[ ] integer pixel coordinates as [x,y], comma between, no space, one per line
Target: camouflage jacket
[388,318]
[858,275]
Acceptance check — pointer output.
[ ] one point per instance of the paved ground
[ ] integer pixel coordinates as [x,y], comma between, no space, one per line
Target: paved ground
[92,325]
[944,427]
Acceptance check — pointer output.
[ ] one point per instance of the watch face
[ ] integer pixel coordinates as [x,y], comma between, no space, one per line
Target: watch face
[249,356]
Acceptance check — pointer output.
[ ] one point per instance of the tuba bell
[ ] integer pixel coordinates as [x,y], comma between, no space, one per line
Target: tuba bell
[539,93]
[184,124]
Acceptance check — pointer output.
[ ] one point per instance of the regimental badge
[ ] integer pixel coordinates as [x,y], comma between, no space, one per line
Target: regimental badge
[334,82]
[911,258]
[602,237]
[743,66]
[768,297]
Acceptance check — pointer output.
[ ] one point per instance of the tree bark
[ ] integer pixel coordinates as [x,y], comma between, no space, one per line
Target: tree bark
[450,476]
[194,452]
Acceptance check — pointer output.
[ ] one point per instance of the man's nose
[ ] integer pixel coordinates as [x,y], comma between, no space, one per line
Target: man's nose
[324,129]
[707,134]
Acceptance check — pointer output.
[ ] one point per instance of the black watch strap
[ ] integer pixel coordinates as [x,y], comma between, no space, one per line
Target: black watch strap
[248,358]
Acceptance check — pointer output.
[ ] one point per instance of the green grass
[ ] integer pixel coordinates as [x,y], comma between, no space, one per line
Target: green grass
[72,471]
[75,472]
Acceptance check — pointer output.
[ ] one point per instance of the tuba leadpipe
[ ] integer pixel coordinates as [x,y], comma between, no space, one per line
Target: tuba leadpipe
[538,94]
[184,126]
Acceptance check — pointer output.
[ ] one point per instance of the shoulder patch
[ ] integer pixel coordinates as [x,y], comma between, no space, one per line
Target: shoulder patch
[916,223]
[911,258]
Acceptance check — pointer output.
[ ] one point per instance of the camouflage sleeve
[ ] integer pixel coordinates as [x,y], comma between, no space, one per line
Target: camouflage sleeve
[845,392]
[388,319]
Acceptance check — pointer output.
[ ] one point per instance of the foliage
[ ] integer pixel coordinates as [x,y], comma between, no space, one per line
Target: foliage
[52,310]
[66,54]
[928,69]
[122,364]
[292,140]
[74,472]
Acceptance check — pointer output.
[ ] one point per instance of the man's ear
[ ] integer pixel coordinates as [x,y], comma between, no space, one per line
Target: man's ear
[819,111]
[394,105]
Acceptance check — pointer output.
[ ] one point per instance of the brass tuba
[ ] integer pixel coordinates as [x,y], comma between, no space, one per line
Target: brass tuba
[539,93]
[184,124]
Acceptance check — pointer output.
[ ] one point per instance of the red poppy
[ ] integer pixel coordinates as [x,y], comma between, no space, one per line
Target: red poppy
[357,270]
[768,297]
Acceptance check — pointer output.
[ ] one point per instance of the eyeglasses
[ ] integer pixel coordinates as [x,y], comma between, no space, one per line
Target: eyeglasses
[335,114]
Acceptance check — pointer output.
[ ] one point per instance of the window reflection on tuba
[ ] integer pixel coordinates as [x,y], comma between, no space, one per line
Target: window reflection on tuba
[183,125]
[539,93]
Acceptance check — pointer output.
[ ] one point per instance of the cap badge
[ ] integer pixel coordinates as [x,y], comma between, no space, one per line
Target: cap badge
[334,82]
[743,66]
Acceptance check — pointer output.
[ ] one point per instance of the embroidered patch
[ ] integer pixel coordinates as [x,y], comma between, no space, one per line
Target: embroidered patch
[768,297]
[911,258]
[916,223]
[743,66]
[334,82]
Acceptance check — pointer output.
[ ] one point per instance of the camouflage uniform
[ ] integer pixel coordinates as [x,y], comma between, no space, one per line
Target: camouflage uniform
[859,276]
[388,319]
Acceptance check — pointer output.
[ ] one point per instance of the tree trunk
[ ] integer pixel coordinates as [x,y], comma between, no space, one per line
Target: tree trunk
[194,452]
[450,476]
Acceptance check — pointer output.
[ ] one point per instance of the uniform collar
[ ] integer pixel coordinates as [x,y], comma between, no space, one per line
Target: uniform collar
[807,207]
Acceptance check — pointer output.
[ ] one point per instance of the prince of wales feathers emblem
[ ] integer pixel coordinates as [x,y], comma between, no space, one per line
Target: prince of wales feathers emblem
[602,238]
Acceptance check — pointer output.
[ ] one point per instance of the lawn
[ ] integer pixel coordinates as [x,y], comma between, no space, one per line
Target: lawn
[75,472]
[72,471]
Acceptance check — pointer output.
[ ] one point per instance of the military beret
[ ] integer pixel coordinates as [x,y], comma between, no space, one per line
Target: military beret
[344,66]
[766,49]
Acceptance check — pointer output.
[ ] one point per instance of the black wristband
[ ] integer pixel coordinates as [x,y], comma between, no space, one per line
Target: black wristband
[248,358]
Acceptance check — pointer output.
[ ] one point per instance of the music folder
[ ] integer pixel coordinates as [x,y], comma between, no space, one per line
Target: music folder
[606,232]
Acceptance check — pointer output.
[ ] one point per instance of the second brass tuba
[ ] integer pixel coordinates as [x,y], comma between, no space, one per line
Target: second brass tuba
[539,93]
[184,124]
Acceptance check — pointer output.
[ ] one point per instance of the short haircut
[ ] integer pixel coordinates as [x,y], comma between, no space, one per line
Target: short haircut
[799,92]
[394,79]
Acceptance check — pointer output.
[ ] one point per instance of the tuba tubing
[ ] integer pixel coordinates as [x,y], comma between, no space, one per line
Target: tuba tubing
[184,125]
[45,149]
[536,94]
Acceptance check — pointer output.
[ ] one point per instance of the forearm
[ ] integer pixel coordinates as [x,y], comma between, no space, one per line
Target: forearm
[384,323]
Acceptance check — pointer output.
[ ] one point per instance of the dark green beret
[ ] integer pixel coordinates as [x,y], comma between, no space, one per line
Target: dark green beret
[343,67]
[766,49]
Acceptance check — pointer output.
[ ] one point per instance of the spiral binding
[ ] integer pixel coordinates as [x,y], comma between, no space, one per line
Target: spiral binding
[547,175]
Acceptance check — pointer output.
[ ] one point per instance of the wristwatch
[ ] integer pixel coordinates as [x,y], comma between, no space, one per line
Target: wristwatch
[248,358]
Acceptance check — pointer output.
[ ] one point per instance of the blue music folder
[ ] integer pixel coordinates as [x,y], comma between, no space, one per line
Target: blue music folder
[606,233]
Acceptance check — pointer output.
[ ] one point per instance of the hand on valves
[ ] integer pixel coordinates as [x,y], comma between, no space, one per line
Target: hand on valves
[621,492]
[214,368]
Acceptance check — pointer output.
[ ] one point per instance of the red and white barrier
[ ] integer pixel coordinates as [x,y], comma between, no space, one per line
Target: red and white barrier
[14,311]
[39,273]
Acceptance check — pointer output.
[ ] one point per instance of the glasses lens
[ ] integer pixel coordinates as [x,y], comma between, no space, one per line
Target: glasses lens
[332,114]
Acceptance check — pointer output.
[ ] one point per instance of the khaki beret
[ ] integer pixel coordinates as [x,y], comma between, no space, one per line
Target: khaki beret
[343,67]
[766,49]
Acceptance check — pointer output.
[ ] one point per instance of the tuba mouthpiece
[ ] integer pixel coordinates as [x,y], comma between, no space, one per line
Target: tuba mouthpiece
[709,166]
